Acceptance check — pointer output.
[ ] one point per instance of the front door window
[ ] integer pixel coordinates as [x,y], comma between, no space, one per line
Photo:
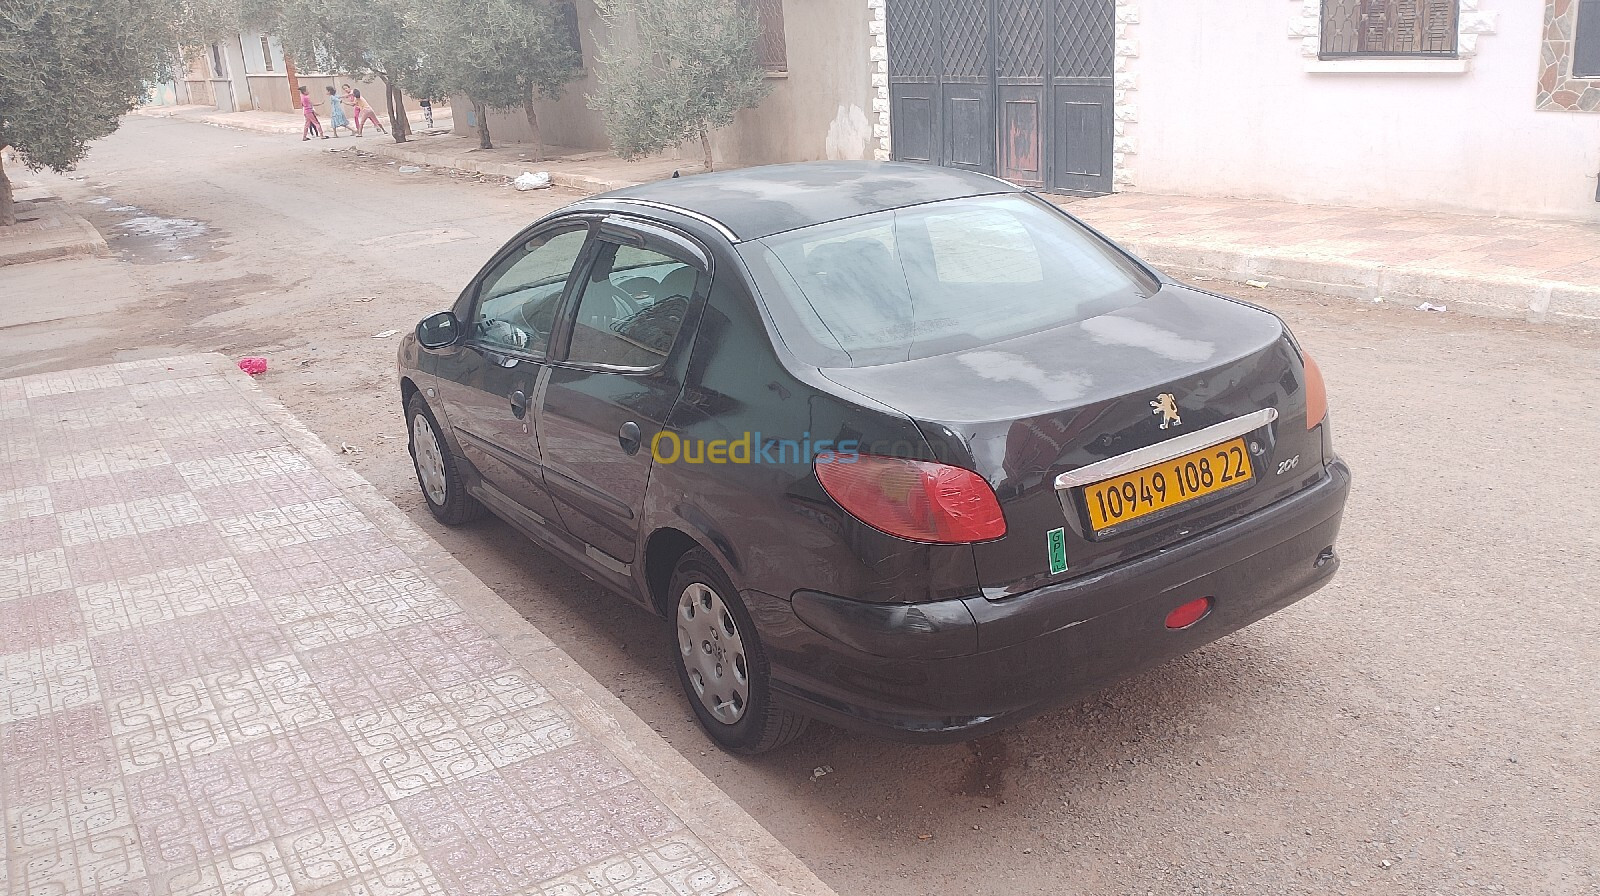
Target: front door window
[519,300]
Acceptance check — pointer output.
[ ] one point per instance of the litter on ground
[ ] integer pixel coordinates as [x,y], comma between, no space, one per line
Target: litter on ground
[528,180]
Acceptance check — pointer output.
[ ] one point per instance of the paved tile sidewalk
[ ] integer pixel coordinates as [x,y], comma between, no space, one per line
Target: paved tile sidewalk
[228,666]
[1503,266]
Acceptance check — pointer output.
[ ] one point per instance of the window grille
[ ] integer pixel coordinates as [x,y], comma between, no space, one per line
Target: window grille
[1389,28]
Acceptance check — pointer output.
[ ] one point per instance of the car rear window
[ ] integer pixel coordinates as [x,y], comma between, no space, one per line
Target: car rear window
[936,278]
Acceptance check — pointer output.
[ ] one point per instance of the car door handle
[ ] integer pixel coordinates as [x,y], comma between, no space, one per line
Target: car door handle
[519,404]
[628,438]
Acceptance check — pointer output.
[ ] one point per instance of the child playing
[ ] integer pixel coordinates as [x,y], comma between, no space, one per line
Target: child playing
[362,111]
[312,125]
[336,119]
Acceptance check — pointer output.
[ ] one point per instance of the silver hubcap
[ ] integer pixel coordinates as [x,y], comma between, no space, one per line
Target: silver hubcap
[713,653]
[430,459]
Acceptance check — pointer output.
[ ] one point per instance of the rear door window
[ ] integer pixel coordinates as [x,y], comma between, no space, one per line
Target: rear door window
[632,307]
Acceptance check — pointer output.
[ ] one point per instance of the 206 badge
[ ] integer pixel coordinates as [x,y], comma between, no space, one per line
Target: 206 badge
[1166,405]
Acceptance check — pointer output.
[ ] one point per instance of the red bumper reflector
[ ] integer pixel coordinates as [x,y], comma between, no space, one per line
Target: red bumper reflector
[1189,613]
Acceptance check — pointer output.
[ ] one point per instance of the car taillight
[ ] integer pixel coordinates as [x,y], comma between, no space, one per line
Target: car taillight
[1316,392]
[913,499]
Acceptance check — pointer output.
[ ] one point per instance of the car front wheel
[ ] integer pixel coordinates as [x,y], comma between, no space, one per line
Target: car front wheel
[720,661]
[438,473]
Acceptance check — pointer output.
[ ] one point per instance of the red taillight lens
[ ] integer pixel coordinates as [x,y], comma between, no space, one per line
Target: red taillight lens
[1189,613]
[1316,392]
[913,499]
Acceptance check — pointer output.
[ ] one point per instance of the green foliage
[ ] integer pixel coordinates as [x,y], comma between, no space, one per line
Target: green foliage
[363,38]
[498,52]
[201,22]
[691,66]
[69,70]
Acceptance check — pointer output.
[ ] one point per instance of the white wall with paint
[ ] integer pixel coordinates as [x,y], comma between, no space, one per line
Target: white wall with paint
[849,135]
[1227,106]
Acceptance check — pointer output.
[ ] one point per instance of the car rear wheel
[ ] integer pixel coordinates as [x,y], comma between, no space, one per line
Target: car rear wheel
[438,473]
[720,661]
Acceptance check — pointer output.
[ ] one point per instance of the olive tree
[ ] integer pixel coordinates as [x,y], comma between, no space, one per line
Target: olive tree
[69,70]
[676,70]
[498,54]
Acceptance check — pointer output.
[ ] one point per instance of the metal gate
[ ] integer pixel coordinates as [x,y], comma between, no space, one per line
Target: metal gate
[1017,88]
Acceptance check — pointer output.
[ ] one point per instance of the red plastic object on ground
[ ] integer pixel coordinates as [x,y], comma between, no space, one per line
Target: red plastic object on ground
[253,366]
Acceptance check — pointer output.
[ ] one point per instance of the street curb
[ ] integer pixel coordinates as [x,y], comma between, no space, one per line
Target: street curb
[227,122]
[764,864]
[1486,295]
[88,242]
[255,127]
[401,152]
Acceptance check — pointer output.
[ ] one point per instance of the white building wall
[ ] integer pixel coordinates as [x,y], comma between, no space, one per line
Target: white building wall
[1230,105]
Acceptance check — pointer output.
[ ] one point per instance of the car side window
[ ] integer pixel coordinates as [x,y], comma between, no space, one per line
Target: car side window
[632,307]
[519,300]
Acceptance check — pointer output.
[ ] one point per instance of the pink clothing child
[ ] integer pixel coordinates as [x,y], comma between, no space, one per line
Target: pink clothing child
[312,125]
[361,111]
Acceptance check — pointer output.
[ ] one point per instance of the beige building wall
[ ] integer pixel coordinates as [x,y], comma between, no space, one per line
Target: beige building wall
[821,108]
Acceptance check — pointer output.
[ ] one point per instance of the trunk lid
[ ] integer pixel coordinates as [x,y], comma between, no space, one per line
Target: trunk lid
[1024,411]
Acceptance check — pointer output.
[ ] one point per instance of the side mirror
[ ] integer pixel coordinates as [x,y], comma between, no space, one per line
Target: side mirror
[438,330]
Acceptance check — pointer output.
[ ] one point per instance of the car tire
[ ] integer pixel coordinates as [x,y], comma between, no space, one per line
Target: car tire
[721,663]
[444,489]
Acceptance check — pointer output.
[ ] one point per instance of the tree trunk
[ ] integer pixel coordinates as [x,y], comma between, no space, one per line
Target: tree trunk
[8,211]
[482,114]
[705,147]
[402,120]
[533,125]
[399,126]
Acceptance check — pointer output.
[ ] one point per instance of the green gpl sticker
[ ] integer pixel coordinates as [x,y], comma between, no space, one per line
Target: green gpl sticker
[1057,542]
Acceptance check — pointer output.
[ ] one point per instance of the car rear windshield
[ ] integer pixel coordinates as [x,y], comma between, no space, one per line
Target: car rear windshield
[936,278]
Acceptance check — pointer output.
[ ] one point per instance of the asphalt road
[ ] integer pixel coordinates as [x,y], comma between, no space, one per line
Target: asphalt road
[1429,723]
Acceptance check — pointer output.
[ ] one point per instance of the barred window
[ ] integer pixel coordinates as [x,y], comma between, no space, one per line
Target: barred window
[1388,28]
[771,47]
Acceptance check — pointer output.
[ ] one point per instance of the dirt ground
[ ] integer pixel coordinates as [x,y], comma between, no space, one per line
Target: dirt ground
[1428,723]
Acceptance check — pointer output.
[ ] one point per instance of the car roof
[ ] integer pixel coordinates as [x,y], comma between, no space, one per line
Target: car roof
[751,203]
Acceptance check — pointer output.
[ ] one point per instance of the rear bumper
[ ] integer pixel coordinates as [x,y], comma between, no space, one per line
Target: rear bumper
[893,673]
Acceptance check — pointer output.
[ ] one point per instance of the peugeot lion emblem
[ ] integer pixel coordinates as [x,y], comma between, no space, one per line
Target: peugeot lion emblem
[1166,406]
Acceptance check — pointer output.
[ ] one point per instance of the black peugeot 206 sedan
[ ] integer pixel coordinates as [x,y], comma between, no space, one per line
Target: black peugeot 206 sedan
[902,448]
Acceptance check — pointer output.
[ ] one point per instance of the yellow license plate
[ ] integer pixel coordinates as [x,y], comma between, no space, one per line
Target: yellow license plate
[1155,488]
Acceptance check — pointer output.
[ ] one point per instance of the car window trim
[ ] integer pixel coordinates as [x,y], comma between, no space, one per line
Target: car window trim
[644,233]
[583,222]
[616,229]
[707,220]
